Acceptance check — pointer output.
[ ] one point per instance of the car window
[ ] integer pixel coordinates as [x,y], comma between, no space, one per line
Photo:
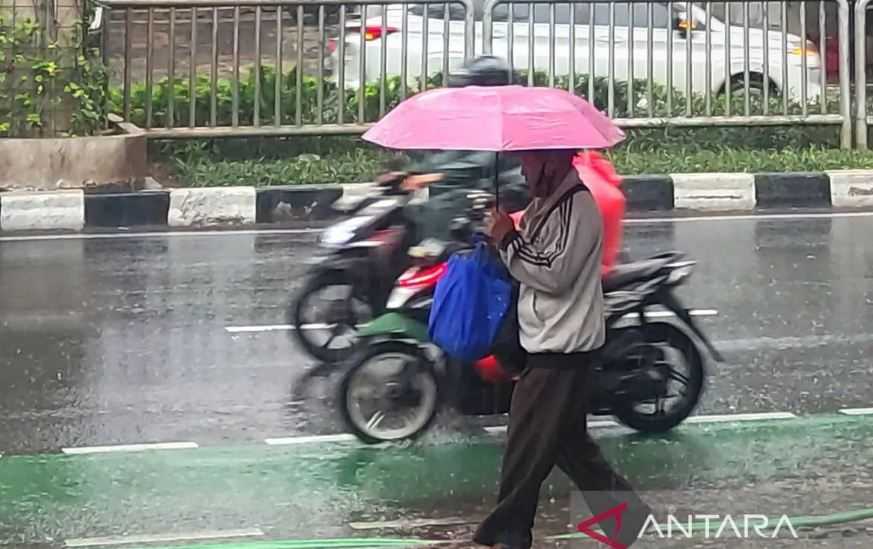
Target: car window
[563,13]
[438,11]
[457,12]
[721,10]
[660,15]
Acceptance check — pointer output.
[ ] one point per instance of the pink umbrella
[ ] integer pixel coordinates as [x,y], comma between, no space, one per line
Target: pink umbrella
[500,118]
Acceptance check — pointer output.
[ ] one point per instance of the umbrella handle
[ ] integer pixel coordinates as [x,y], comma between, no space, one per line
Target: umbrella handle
[497,181]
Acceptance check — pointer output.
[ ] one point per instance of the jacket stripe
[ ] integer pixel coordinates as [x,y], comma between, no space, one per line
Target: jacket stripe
[532,256]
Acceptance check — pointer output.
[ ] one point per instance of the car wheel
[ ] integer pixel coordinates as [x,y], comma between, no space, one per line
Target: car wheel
[756,86]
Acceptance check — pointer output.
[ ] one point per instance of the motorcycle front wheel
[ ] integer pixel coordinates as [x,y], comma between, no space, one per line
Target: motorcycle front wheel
[681,363]
[391,393]
[329,335]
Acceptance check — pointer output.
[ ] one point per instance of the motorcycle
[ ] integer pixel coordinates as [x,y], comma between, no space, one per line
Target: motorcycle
[363,254]
[361,258]
[638,363]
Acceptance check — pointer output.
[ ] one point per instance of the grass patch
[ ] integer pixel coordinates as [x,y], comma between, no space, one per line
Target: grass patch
[319,160]
[346,167]
[726,159]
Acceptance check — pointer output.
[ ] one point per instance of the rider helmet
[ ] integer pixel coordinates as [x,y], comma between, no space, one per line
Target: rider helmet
[485,70]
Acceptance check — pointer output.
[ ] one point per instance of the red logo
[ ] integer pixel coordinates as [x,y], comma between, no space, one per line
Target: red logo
[615,513]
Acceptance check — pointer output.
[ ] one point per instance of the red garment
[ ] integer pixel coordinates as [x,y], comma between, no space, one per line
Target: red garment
[602,180]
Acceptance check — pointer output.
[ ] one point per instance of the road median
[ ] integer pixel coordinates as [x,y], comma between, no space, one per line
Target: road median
[245,205]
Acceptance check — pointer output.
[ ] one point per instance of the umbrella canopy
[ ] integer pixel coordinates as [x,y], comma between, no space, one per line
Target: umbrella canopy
[496,119]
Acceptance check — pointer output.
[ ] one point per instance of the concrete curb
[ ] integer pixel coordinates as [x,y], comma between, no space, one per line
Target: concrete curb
[34,211]
[275,204]
[212,206]
[714,191]
[793,190]
[246,205]
[851,188]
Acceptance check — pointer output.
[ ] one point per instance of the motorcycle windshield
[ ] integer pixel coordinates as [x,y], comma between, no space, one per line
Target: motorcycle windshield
[345,231]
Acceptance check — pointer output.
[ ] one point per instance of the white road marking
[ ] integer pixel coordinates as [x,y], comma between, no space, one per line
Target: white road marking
[264,328]
[130,448]
[412,523]
[602,423]
[857,411]
[670,314]
[722,418]
[238,232]
[153,234]
[730,418]
[275,328]
[497,429]
[791,342]
[342,437]
[164,538]
[594,424]
[317,326]
[746,217]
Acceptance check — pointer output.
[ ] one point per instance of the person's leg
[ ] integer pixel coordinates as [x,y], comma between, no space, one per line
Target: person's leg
[581,459]
[578,455]
[538,403]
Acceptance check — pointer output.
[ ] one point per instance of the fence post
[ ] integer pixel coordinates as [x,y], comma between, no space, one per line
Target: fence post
[845,75]
[469,29]
[860,74]
[487,22]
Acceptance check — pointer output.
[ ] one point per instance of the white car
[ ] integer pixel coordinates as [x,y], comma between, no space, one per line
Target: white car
[390,37]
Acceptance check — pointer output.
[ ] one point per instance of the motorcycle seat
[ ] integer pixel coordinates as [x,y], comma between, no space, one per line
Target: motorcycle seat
[622,276]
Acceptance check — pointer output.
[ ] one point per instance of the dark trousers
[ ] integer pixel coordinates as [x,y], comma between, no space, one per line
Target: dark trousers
[548,427]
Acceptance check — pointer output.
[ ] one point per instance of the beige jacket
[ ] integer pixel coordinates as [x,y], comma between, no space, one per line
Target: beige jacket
[556,256]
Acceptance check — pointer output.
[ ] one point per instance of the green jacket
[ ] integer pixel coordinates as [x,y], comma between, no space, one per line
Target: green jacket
[464,171]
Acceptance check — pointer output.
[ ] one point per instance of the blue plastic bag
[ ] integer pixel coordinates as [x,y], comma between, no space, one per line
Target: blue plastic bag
[469,305]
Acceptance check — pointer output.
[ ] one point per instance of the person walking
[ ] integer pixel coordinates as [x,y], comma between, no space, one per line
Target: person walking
[555,256]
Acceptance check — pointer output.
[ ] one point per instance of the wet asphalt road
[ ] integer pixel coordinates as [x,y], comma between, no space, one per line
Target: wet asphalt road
[809,467]
[123,340]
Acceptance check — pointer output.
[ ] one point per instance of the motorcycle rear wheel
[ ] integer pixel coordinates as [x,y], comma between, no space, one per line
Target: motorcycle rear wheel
[627,412]
[414,383]
[305,335]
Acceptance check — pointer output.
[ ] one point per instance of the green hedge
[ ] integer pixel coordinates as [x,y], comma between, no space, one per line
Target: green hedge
[346,159]
[180,91]
[204,164]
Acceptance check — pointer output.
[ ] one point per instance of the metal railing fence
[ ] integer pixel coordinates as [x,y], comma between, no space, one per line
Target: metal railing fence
[320,67]
[682,58]
[863,118]
[312,97]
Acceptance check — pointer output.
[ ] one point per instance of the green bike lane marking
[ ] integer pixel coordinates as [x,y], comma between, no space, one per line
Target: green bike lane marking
[317,491]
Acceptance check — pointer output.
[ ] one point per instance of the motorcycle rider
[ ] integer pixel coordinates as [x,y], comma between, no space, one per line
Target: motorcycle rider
[451,175]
